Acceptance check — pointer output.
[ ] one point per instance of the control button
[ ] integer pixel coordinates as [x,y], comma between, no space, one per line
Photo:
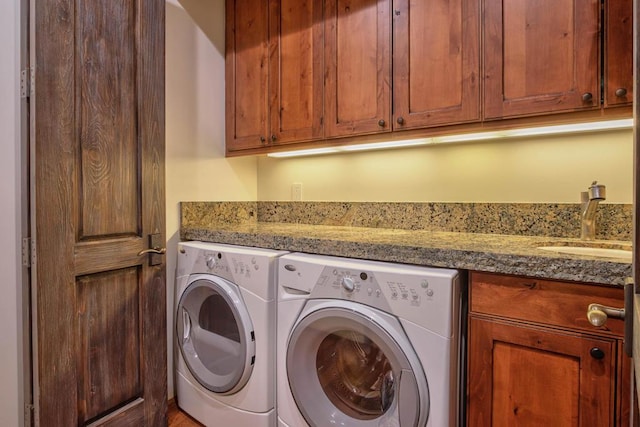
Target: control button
[429,292]
[348,284]
[378,293]
[394,294]
[415,297]
[424,284]
[369,291]
[405,295]
[210,261]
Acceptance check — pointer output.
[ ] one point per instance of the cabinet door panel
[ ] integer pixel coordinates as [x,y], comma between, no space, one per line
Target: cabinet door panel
[296,70]
[247,41]
[529,376]
[358,67]
[619,53]
[435,62]
[540,62]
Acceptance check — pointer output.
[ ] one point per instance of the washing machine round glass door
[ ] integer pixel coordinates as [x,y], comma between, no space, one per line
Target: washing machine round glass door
[361,375]
[215,334]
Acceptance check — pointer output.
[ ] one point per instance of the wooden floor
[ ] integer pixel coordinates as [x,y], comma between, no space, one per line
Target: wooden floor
[177,418]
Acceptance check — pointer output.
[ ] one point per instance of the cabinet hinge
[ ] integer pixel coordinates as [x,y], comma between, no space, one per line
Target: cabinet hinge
[28,252]
[27,83]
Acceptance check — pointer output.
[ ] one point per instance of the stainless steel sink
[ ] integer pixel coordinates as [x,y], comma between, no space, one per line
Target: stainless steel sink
[602,249]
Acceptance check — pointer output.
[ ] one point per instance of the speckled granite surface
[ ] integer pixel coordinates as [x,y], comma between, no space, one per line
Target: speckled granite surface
[394,235]
[523,219]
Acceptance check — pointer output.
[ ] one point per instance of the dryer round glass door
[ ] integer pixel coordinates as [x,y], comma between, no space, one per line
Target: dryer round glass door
[215,334]
[346,367]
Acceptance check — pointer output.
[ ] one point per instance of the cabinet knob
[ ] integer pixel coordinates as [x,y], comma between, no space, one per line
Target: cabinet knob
[274,138]
[381,123]
[587,96]
[597,353]
[262,139]
[620,92]
[400,120]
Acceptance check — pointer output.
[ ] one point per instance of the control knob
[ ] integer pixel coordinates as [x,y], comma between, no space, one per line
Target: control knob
[210,261]
[348,284]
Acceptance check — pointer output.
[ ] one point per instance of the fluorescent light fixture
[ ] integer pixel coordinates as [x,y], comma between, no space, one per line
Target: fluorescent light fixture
[478,136]
[309,152]
[389,144]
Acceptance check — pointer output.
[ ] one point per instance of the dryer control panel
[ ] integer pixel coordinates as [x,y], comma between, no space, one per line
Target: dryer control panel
[249,268]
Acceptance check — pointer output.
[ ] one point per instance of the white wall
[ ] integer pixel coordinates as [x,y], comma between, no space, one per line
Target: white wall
[11,363]
[539,170]
[196,169]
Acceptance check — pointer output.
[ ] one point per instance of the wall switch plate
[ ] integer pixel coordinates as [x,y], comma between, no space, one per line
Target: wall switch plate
[296,191]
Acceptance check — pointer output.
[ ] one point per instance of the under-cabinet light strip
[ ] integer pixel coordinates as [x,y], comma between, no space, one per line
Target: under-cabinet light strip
[509,133]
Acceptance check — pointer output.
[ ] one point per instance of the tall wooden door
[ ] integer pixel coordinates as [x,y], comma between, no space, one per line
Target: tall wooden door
[99,304]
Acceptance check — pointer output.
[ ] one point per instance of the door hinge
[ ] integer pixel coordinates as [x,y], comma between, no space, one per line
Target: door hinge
[28,414]
[28,252]
[27,83]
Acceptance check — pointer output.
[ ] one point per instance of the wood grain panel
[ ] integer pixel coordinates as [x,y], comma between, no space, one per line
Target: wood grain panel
[357,61]
[550,302]
[153,296]
[530,376]
[296,70]
[109,335]
[538,62]
[55,210]
[527,56]
[106,97]
[93,257]
[247,41]
[542,401]
[131,414]
[618,60]
[438,25]
[436,54]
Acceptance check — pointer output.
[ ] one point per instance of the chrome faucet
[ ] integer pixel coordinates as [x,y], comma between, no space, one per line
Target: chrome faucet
[590,199]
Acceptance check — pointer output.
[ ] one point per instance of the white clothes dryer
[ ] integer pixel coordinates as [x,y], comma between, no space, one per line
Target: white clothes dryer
[363,343]
[225,334]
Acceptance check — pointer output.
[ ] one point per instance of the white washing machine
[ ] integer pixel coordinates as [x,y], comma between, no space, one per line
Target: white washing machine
[225,334]
[363,343]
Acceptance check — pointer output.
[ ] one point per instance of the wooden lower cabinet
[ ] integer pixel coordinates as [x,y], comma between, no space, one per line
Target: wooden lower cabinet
[532,360]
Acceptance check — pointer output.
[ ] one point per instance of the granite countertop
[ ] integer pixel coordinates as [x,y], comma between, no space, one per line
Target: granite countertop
[500,253]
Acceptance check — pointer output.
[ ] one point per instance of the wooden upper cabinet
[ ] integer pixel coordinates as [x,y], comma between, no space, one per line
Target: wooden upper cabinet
[273,72]
[618,59]
[436,66]
[540,57]
[296,70]
[247,53]
[358,67]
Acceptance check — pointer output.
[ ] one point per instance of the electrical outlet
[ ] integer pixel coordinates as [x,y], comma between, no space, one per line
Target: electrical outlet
[296,191]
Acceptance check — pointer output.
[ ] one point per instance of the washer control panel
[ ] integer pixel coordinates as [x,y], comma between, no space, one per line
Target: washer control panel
[373,288]
[424,295]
